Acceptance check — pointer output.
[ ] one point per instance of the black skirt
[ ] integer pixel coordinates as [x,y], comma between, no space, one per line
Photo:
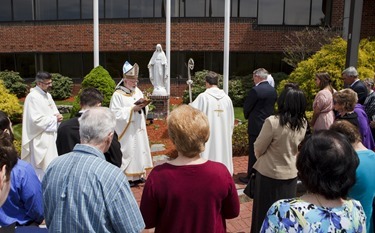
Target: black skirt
[267,191]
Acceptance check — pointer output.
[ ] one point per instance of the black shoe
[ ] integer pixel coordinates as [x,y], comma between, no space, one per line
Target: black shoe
[244,180]
[132,184]
[140,181]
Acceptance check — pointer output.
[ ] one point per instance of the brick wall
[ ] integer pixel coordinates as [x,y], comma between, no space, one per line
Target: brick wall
[142,35]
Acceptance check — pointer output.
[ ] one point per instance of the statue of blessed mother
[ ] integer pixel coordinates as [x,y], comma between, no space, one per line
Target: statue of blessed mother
[158,71]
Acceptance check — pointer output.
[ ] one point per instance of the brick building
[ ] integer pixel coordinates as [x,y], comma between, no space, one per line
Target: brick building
[57,35]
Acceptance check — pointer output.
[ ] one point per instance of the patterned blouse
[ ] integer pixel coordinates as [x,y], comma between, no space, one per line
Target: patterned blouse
[296,215]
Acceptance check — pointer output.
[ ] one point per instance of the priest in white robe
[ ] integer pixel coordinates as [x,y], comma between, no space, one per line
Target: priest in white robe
[219,109]
[39,125]
[131,125]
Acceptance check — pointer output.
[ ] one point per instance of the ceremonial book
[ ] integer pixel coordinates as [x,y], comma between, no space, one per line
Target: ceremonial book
[142,101]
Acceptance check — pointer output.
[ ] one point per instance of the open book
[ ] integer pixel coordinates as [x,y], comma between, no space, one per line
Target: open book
[142,101]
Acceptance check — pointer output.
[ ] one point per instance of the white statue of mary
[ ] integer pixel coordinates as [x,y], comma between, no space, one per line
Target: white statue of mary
[158,71]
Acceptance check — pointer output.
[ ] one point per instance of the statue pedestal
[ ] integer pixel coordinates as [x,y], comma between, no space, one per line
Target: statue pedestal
[161,104]
[159,91]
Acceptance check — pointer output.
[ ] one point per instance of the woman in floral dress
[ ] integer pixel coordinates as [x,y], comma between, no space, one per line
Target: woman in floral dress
[326,165]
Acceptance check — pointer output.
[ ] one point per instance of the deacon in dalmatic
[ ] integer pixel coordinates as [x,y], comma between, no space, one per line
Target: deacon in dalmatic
[219,109]
[130,108]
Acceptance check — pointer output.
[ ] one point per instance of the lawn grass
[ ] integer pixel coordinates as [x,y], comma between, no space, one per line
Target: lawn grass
[238,113]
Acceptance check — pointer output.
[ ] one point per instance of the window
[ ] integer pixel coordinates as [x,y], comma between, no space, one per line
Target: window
[317,15]
[247,8]
[69,9]
[270,12]
[297,12]
[25,64]
[50,62]
[22,10]
[141,9]
[46,9]
[116,9]
[159,8]
[290,12]
[215,8]
[71,65]
[6,10]
[194,8]
[7,62]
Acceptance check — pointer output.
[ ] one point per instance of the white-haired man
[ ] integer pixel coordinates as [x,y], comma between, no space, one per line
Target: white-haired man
[259,105]
[351,80]
[84,193]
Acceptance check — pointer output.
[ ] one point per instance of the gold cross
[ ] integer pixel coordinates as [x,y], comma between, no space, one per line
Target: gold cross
[219,110]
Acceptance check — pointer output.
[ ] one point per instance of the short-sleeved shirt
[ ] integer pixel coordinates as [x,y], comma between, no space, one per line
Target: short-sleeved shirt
[296,215]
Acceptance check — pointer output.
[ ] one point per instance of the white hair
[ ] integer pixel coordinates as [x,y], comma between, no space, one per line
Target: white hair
[261,73]
[95,124]
[351,71]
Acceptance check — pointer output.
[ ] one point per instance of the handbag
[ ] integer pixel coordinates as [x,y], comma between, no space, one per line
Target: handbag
[249,189]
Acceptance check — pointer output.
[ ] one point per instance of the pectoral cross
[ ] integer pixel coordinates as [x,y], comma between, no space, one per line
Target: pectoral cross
[218,110]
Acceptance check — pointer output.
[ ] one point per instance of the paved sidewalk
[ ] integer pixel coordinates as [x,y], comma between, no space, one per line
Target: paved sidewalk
[243,221]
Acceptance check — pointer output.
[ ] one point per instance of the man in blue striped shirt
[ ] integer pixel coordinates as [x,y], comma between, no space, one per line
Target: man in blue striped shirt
[84,193]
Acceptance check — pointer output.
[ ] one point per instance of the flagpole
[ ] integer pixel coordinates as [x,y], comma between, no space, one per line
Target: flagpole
[226,46]
[96,32]
[168,44]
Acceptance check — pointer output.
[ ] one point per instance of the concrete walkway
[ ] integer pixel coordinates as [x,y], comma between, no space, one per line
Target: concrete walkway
[239,224]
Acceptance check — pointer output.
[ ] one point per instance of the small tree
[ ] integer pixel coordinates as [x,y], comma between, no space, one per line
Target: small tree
[331,59]
[62,87]
[100,79]
[14,83]
[303,44]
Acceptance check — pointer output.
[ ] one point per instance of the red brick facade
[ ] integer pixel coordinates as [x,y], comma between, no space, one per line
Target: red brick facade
[140,35]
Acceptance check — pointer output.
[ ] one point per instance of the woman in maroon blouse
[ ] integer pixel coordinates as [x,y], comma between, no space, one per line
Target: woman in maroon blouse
[189,193]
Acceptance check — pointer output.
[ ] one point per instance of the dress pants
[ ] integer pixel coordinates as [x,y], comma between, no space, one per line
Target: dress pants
[252,158]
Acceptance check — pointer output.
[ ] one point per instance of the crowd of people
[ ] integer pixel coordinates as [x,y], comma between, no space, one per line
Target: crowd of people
[75,176]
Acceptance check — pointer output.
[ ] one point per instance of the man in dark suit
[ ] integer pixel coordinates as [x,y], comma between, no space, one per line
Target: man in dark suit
[351,80]
[68,131]
[259,105]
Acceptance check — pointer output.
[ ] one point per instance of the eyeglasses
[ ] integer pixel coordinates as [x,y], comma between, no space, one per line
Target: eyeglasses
[47,83]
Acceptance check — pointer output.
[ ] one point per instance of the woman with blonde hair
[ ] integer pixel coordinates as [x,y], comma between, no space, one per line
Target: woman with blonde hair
[323,115]
[189,193]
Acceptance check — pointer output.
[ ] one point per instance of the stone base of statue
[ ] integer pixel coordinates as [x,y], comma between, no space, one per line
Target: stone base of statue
[161,104]
[159,91]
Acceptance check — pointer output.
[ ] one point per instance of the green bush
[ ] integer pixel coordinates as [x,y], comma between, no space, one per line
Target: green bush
[62,87]
[198,86]
[10,105]
[14,83]
[240,142]
[100,79]
[238,87]
[331,59]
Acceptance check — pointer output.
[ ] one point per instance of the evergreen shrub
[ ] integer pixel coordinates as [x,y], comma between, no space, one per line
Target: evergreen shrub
[62,87]
[240,143]
[100,79]
[238,87]
[10,105]
[14,83]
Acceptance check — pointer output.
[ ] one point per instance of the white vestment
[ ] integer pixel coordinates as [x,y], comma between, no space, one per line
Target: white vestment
[39,130]
[218,108]
[132,133]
